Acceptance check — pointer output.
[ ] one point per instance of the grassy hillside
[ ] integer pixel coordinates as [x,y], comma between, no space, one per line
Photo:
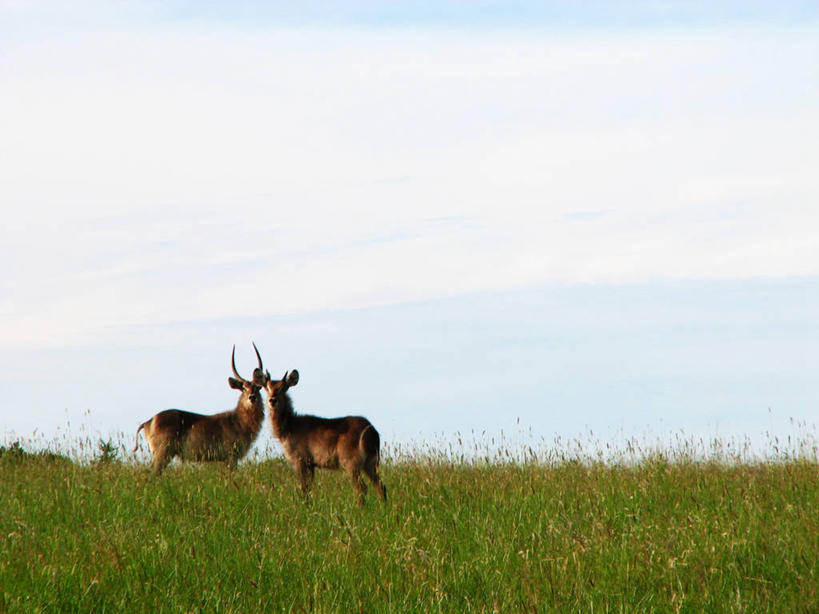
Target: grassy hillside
[455,537]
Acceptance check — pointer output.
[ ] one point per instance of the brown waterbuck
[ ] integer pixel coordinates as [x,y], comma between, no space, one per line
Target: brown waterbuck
[350,443]
[222,437]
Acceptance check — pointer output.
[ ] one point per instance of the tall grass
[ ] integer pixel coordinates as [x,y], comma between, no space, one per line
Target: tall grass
[646,530]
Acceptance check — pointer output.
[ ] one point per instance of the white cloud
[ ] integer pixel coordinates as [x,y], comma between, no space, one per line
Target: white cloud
[168,175]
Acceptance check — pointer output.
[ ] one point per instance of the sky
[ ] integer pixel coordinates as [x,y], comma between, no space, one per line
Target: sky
[451,217]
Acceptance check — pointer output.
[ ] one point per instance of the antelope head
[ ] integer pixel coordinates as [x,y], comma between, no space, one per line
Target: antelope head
[277,389]
[250,388]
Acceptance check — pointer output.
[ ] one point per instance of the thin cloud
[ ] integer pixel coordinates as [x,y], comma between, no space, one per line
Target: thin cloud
[185,174]
[587,216]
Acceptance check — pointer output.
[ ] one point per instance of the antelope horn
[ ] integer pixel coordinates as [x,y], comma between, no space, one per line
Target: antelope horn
[261,368]
[233,364]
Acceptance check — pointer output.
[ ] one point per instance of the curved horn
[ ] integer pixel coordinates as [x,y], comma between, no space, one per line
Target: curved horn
[261,368]
[233,364]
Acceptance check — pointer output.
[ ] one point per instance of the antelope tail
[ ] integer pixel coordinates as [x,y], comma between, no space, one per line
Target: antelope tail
[370,443]
[136,442]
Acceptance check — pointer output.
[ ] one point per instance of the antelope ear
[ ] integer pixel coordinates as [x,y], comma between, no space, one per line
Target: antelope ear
[293,378]
[235,384]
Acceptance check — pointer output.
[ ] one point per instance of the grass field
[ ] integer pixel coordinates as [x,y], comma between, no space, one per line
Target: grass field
[656,535]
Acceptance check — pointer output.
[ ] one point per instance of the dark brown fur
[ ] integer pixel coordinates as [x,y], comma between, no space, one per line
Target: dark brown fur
[195,437]
[350,443]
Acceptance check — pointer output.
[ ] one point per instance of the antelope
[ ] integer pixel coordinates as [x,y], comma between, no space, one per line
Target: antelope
[350,443]
[222,437]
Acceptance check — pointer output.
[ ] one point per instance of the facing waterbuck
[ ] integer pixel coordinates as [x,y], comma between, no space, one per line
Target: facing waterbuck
[221,437]
[350,443]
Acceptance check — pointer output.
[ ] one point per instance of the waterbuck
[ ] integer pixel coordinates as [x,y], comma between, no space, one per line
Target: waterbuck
[222,437]
[350,443]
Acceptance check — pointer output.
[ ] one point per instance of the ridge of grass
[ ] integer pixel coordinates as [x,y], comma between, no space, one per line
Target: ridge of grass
[651,536]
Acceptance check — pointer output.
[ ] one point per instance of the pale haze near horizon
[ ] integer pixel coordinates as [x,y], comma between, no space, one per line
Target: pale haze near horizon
[412,213]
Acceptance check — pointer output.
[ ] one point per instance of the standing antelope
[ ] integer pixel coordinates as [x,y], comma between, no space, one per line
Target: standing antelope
[350,443]
[221,437]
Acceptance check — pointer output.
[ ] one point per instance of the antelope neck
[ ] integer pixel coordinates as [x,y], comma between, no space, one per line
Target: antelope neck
[281,415]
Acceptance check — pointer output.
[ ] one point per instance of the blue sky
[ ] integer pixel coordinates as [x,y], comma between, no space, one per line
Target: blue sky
[433,178]
[494,14]
[456,13]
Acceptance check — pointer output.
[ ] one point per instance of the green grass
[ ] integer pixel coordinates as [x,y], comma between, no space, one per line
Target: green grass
[565,536]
